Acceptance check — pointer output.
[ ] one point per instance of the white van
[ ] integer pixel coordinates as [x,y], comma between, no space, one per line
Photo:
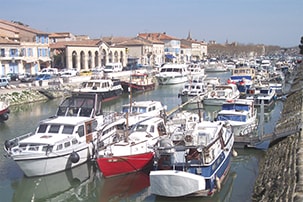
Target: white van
[113,67]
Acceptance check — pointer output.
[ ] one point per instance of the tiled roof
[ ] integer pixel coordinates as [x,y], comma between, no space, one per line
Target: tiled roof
[157,36]
[7,41]
[135,42]
[21,27]
[114,40]
[60,35]
[63,44]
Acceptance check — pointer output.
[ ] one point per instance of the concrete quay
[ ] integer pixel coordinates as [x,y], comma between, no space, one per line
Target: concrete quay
[281,171]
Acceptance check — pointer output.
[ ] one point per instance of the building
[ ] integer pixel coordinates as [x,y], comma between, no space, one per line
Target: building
[22,49]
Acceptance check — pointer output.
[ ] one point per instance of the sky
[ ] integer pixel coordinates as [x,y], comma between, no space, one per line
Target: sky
[269,22]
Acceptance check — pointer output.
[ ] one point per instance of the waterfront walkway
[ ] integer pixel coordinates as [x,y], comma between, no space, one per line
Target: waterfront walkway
[281,171]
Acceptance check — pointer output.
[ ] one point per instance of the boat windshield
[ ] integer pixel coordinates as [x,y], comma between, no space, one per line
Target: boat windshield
[226,117]
[55,128]
[141,127]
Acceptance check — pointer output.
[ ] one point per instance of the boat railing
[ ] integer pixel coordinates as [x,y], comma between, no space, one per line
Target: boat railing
[15,141]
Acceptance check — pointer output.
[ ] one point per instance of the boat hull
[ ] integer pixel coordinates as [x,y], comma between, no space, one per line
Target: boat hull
[168,80]
[178,183]
[118,165]
[137,87]
[45,165]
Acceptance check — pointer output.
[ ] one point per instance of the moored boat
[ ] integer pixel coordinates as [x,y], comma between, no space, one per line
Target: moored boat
[241,115]
[172,74]
[195,163]
[195,87]
[135,152]
[58,144]
[107,89]
[221,94]
[139,81]
[4,110]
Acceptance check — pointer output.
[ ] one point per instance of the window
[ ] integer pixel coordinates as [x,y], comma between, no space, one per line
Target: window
[42,128]
[68,129]
[81,131]
[54,128]
[66,144]
[59,147]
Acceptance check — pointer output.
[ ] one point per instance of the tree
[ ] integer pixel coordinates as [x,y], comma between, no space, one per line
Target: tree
[301,46]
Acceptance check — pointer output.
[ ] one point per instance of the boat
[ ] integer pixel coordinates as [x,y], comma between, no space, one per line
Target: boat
[65,140]
[221,94]
[107,89]
[4,110]
[243,77]
[214,65]
[57,144]
[195,70]
[193,89]
[139,81]
[194,162]
[135,152]
[262,95]
[172,74]
[241,115]
[140,110]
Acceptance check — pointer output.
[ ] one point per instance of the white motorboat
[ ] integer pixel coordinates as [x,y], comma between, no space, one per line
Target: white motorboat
[194,88]
[65,140]
[139,110]
[241,115]
[57,144]
[172,74]
[221,94]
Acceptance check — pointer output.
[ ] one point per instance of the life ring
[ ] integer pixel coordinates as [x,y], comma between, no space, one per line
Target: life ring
[213,94]
[188,138]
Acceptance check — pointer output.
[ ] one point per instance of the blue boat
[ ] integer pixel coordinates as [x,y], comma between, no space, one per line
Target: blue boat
[194,161]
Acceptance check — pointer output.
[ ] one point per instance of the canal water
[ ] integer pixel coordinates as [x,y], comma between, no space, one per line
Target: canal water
[85,183]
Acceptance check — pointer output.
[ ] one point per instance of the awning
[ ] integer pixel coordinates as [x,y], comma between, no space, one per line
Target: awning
[170,56]
[29,60]
[45,59]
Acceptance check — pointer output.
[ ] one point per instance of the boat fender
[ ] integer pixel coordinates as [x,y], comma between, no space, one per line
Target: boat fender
[8,144]
[218,183]
[74,157]
[235,153]
[4,116]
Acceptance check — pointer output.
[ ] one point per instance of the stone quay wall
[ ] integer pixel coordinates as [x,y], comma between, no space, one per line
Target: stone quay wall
[281,171]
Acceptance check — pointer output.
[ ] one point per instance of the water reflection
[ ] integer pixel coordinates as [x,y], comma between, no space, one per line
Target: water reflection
[73,185]
[131,187]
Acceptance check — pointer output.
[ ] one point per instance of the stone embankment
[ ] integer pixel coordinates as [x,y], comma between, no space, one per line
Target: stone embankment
[22,94]
[281,171]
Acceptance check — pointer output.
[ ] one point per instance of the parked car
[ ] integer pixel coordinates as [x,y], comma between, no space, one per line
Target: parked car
[85,73]
[52,71]
[4,82]
[26,78]
[43,77]
[12,76]
[69,73]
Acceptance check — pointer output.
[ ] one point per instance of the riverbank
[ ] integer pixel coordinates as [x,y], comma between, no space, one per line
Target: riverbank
[281,171]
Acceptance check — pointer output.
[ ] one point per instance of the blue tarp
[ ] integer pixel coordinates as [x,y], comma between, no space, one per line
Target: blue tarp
[170,56]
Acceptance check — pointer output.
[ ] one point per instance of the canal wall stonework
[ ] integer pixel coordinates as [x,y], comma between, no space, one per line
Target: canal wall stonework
[281,171]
